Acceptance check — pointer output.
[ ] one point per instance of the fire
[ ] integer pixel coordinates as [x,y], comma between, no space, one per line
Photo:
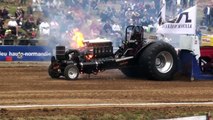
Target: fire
[77,39]
[89,57]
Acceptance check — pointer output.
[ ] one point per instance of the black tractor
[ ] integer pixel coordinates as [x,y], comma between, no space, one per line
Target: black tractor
[137,57]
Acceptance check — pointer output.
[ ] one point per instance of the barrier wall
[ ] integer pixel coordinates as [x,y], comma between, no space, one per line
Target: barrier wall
[25,53]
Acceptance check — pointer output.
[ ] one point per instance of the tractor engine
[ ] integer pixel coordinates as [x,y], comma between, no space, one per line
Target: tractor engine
[97,48]
[92,49]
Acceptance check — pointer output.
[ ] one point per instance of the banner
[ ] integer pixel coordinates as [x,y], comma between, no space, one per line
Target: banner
[184,23]
[204,117]
[207,40]
[25,53]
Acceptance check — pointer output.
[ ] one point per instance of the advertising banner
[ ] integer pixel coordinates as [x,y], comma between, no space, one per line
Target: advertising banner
[184,23]
[25,53]
[207,40]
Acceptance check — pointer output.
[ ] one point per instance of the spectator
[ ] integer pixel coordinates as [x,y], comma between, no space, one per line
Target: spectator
[5,13]
[118,39]
[1,11]
[104,16]
[135,17]
[169,6]
[207,11]
[23,2]
[199,33]
[44,28]
[31,18]
[191,3]
[2,30]
[36,5]
[8,34]
[38,21]
[128,13]
[85,4]
[13,26]
[19,14]
[184,3]
[95,29]
[116,27]
[29,9]
[69,15]
[107,27]
[211,16]
[29,26]
[94,5]
[157,5]
[54,28]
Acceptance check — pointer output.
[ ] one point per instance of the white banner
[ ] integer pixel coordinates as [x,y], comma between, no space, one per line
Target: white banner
[189,118]
[184,23]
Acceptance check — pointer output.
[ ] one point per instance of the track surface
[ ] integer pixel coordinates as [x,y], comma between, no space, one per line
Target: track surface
[29,84]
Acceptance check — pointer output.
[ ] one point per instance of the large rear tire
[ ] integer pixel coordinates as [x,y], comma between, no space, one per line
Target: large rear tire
[159,61]
[71,72]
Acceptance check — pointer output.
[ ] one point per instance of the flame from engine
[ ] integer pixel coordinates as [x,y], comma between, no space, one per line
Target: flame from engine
[77,39]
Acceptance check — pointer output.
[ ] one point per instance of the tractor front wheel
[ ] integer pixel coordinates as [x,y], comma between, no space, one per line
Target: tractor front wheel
[53,73]
[71,72]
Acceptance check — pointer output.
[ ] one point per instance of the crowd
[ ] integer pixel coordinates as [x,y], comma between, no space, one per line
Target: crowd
[17,25]
[177,6]
[93,18]
[208,16]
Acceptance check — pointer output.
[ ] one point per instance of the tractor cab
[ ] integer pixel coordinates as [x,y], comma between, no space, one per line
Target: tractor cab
[134,37]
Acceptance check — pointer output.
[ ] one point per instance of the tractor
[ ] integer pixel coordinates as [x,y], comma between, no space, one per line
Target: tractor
[137,57]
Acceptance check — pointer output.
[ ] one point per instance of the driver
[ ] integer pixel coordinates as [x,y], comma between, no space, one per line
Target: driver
[137,34]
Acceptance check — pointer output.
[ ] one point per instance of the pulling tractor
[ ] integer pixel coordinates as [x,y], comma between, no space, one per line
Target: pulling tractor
[136,57]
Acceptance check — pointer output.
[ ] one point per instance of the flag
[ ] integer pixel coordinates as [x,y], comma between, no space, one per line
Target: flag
[162,15]
[184,23]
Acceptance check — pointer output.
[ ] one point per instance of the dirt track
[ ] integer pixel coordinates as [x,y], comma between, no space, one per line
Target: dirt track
[30,84]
